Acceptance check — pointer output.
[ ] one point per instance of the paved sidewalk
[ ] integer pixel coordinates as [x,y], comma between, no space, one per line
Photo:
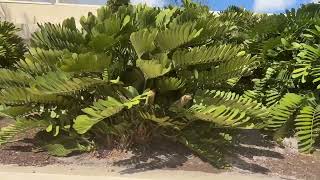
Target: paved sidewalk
[149,176]
[100,173]
[27,176]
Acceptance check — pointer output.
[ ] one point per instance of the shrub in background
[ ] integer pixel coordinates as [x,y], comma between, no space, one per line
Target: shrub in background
[12,47]
[129,76]
[287,82]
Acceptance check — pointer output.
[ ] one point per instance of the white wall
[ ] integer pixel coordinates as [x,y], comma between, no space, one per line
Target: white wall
[27,14]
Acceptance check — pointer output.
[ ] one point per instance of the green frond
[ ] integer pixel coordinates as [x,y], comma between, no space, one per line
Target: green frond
[79,62]
[39,61]
[62,145]
[145,16]
[284,110]
[12,47]
[205,55]
[169,84]
[307,64]
[102,42]
[160,121]
[103,109]
[313,33]
[110,26]
[105,34]
[252,94]
[238,67]
[228,109]
[62,83]
[176,36]
[213,29]
[9,78]
[273,96]
[307,127]
[262,91]
[154,68]
[143,41]
[20,96]
[165,16]
[8,133]
[60,37]
[15,111]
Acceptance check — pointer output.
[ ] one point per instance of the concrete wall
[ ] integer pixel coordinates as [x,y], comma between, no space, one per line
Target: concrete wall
[26,15]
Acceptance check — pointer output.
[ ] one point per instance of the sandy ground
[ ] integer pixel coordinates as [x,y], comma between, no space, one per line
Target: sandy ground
[90,173]
[252,157]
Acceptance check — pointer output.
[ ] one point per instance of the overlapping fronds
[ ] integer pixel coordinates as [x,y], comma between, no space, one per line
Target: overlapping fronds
[9,78]
[61,83]
[177,35]
[143,41]
[16,111]
[164,121]
[59,37]
[228,70]
[284,110]
[307,64]
[136,72]
[79,62]
[62,145]
[8,133]
[156,67]
[39,61]
[227,109]
[12,46]
[169,84]
[103,109]
[205,55]
[307,127]
[20,96]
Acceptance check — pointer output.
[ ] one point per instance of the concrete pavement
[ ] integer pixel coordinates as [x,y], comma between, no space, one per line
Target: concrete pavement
[99,173]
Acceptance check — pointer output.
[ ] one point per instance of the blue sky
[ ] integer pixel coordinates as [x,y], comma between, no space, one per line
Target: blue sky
[269,6]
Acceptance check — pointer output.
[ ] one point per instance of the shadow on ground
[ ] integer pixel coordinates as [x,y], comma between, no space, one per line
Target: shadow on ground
[156,156]
[167,155]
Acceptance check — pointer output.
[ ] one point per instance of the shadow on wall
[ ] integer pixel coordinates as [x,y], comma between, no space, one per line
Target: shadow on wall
[26,29]
[4,12]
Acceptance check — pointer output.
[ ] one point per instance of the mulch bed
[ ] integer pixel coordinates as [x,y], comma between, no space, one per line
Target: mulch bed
[253,155]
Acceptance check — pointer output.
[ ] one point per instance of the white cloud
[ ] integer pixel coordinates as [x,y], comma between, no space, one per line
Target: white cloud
[272,5]
[158,3]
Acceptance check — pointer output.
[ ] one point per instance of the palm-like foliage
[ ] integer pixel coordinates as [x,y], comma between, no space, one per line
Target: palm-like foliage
[132,73]
[12,46]
[287,81]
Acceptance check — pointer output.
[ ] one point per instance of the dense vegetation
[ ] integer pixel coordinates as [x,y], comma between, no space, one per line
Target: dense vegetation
[135,73]
[12,47]
[287,81]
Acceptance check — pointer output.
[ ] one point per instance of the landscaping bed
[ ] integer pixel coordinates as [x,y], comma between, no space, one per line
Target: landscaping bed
[254,155]
[138,88]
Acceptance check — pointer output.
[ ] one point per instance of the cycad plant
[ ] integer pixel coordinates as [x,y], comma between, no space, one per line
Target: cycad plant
[129,76]
[12,47]
[287,82]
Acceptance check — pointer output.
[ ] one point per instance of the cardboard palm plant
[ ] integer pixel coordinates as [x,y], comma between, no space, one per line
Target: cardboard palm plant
[12,47]
[287,82]
[129,76]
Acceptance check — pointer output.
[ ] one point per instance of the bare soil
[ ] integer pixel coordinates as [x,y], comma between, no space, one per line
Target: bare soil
[253,154]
